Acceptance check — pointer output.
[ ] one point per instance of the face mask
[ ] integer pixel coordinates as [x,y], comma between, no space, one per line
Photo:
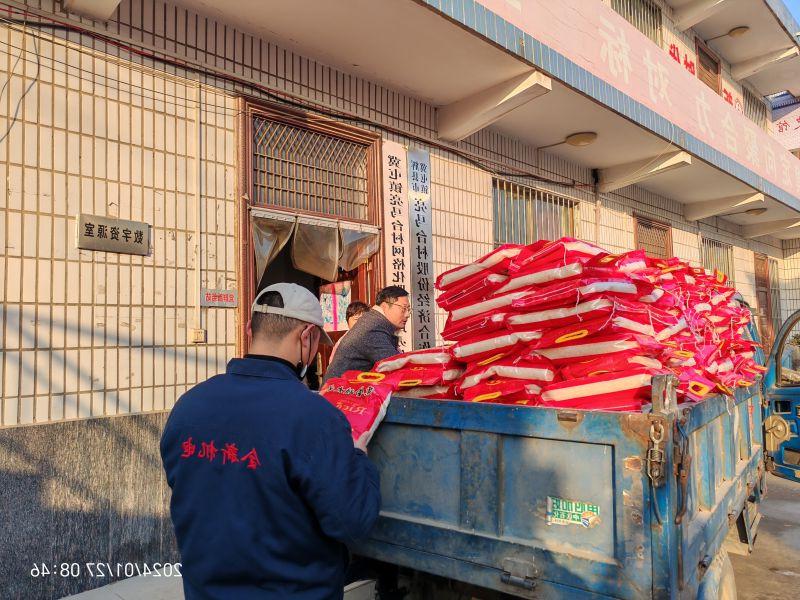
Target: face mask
[301,368]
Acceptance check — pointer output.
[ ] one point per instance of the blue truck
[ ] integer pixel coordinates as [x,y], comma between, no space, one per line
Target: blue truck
[555,503]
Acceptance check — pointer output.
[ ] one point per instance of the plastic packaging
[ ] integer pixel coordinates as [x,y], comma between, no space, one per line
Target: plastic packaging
[363,403]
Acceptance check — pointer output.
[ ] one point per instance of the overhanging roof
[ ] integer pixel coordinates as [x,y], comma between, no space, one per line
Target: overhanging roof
[772,28]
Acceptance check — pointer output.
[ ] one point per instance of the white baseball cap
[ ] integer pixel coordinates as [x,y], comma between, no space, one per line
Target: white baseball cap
[298,303]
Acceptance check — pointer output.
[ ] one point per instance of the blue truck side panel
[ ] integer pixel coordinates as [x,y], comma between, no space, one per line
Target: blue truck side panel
[465,495]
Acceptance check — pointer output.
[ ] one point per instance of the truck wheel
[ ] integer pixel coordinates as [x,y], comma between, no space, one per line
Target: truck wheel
[719,582]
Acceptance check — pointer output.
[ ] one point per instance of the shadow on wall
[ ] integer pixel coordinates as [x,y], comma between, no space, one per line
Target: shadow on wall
[85,491]
[89,381]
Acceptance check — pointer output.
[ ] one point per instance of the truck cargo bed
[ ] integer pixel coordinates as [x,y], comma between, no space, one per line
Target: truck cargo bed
[548,503]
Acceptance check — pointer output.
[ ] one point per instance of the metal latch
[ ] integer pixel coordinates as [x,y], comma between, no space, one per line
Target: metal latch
[655,455]
[519,573]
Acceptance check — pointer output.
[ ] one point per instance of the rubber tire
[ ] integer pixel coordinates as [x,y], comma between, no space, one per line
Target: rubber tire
[727,580]
[718,583]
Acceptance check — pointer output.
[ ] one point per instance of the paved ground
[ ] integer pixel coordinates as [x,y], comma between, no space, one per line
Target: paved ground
[772,571]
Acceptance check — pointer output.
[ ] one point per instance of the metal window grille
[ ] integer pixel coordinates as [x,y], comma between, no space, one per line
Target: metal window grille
[308,171]
[775,294]
[523,215]
[645,15]
[754,108]
[718,255]
[654,238]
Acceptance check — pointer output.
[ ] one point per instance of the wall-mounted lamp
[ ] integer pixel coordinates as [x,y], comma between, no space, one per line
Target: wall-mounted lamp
[577,140]
[733,33]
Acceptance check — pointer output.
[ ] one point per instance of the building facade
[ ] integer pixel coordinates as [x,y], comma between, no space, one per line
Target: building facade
[263,141]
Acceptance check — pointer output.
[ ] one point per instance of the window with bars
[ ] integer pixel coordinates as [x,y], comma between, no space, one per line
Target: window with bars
[754,108]
[309,171]
[645,15]
[523,215]
[718,255]
[654,238]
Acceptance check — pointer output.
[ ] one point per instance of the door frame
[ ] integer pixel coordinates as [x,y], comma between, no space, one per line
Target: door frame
[247,108]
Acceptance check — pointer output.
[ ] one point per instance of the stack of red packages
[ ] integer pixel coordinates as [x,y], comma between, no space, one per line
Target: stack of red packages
[430,373]
[567,324]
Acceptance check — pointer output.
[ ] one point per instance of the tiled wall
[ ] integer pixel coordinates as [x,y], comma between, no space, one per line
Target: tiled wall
[462,217]
[90,334]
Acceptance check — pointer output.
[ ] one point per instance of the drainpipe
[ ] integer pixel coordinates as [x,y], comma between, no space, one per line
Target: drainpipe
[198,334]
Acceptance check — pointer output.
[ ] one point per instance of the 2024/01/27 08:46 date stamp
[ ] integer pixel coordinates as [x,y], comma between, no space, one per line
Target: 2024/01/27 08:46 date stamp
[106,569]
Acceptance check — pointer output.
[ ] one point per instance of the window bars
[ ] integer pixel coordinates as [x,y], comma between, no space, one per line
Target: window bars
[718,255]
[523,215]
[309,171]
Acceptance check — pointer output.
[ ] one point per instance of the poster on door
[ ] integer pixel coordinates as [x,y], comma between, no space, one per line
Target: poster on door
[396,233]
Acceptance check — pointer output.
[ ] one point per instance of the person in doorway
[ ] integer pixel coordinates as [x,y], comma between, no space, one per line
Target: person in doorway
[267,486]
[374,336]
[354,312]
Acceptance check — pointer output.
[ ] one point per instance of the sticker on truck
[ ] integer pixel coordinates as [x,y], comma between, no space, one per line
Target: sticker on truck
[572,512]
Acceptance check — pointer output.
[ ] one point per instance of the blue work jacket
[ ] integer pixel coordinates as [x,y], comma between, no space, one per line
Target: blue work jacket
[267,488]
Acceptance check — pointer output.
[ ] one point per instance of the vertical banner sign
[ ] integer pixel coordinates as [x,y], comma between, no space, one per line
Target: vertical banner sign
[420,225]
[395,224]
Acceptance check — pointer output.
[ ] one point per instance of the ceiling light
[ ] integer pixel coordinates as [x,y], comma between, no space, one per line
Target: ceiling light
[733,33]
[582,138]
[756,211]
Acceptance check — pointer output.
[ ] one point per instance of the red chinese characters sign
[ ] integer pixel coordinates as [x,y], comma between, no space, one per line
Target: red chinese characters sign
[218,298]
[595,37]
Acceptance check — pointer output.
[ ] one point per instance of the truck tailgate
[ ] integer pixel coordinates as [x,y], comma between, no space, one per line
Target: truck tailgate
[526,501]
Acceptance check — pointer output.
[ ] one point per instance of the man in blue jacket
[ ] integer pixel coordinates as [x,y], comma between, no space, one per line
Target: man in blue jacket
[267,486]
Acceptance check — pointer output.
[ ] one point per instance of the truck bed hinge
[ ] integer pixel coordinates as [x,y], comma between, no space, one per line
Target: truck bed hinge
[519,573]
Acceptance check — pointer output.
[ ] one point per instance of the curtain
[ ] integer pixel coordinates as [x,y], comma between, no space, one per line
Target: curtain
[270,234]
[316,248]
[357,246]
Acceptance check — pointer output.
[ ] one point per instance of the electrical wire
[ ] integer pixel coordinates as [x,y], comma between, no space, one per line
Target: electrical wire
[35,80]
[288,99]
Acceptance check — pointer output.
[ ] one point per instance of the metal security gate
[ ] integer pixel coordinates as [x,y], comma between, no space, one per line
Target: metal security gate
[523,215]
[309,171]
[653,237]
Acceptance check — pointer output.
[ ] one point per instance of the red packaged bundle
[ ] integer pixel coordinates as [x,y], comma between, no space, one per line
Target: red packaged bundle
[546,274]
[560,252]
[433,392]
[429,356]
[471,290]
[472,326]
[694,385]
[494,262]
[606,265]
[504,391]
[494,345]
[492,305]
[559,337]
[530,368]
[363,403]
[610,391]
[595,347]
[614,363]
[420,375]
[556,317]
[570,293]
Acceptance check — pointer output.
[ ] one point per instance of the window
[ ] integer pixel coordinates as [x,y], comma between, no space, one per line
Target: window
[707,67]
[654,238]
[645,15]
[754,108]
[310,171]
[775,294]
[718,255]
[523,215]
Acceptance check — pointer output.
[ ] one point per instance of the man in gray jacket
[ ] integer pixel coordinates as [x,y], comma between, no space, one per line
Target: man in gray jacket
[374,336]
